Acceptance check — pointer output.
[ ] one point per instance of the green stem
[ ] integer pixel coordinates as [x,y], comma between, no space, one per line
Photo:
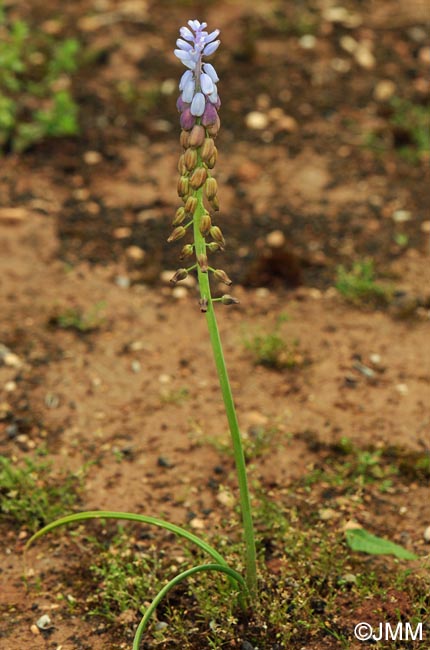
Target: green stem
[232,574]
[245,503]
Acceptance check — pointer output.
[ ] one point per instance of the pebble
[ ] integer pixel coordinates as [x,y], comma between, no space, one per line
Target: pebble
[122,232]
[197,524]
[349,578]
[384,90]
[424,55]
[179,293]
[364,56]
[34,630]
[402,389]
[307,41]
[92,157]
[135,253]
[226,498]
[44,622]
[375,359]
[425,227]
[256,120]
[122,281]
[136,366]
[325,514]
[9,358]
[402,216]
[161,625]
[275,239]
[13,215]
[426,535]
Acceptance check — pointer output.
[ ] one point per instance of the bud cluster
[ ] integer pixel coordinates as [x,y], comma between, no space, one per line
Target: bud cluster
[198,105]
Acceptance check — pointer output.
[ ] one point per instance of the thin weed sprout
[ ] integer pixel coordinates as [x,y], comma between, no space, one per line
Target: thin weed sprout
[198,105]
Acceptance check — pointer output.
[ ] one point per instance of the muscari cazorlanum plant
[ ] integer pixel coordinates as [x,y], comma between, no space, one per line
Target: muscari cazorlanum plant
[198,105]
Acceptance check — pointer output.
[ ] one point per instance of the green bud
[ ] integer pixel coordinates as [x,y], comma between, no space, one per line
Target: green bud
[221,275]
[197,136]
[211,188]
[190,159]
[177,233]
[228,300]
[202,261]
[217,235]
[198,178]
[179,217]
[180,274]
[183,186]
[187,251]
[213,246]
[205,224]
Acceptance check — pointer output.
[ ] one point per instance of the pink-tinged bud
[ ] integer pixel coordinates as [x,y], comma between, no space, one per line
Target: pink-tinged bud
[183,186]
[180,274]
[202,261]
[198,178]
[190,159]
[203,302]
[180,104]
[228,300]
[187,119]
[197,136]
[217,235]
[213,247]
[207,149]
[190,205]
[179,217]
[187,251]
[184,139]
[211,188]
[205,224]
[182,169]
[213,129]
[210,115]
[177,233]
[221,275]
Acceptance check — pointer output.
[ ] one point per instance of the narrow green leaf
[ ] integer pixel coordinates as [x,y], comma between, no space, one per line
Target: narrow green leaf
[361,540]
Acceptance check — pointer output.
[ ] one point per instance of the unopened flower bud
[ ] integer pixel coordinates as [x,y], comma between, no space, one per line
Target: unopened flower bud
[221,275]
[213,247]
[205,223]
[212,160]
[190,205]
[202,261]
[207,149]
[183,186]
[177,233]
[197,136]
[190,159]
[179,217]
[187,251]
[184,139]
[217,235]
[198,178]
[213,129]
[214,203]
[203,302]
[211,188]
[180,274]
[182,169]
[229,300]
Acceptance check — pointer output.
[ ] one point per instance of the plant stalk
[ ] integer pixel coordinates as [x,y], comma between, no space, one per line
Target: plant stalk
[245,503]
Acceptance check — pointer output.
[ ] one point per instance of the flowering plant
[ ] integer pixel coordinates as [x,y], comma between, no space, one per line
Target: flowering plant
[198,105]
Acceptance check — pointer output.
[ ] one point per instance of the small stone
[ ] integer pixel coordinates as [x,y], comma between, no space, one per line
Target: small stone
[424,55]
[225,498]
[402,216]
[349,579]
[426,535]
[136,366]
[122,281]
[163,462]
[402,389]
[164,379]
[247,646]
[122,232]
[425,227]
[287,123]
[325,514]
[135,253]
[364,56]
[34,630]
[348,43]
[161,625]
[92,157]
[384,90]
[275,239]
[256,120]
[375,359]
[197,523]
[307,41]
[179,293]
[44,622]
[13,216]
